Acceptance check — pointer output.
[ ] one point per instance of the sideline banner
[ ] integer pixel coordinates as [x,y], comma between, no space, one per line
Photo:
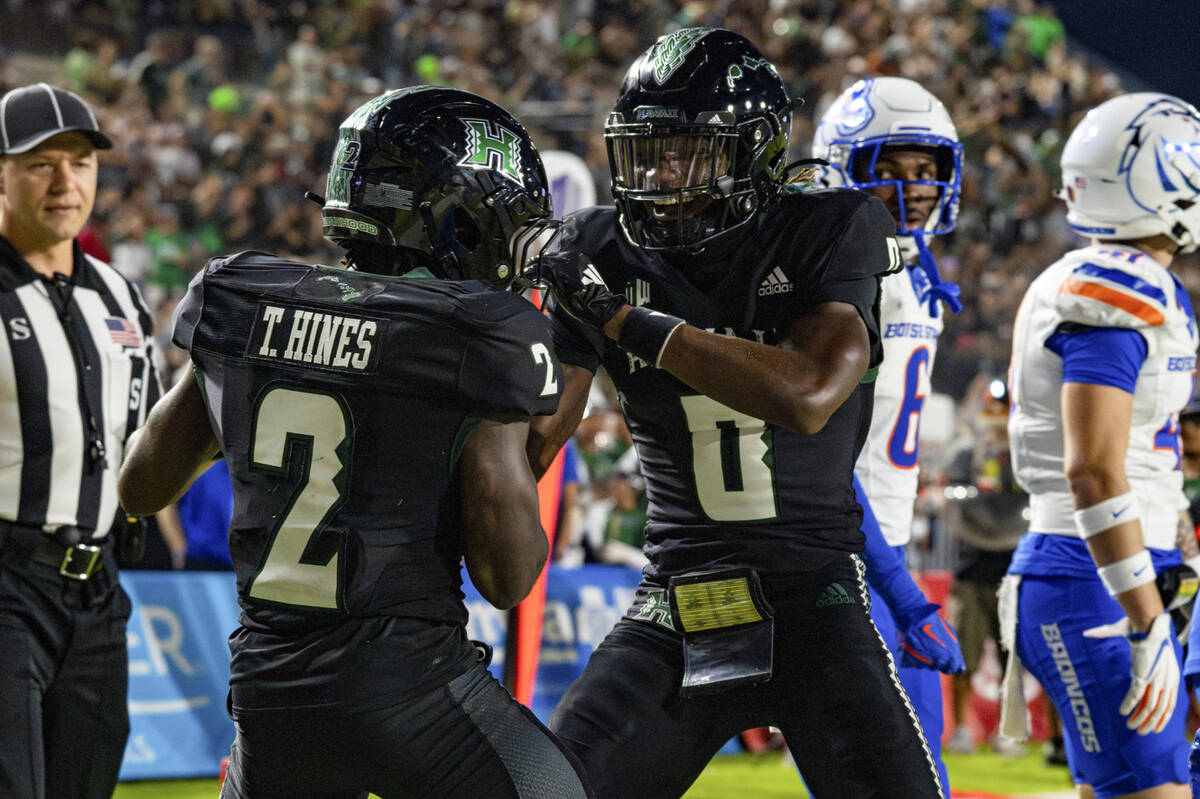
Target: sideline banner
[179,660]
[178,673]
[582,605]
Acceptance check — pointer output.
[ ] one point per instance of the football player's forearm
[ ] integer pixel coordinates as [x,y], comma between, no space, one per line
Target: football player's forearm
[797,390]
[505,544]
[506,551]
[163,457]
[1143,603]
[548,434]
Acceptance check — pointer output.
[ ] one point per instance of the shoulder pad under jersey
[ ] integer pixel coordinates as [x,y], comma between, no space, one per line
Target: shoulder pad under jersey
[1103,293]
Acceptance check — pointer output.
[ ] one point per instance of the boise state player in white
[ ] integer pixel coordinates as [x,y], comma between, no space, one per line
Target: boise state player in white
[892,138]
[1104,349]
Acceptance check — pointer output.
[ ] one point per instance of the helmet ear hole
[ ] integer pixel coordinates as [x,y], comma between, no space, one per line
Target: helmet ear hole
[466,230]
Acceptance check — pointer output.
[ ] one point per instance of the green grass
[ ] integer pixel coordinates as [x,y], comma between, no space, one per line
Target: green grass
[763,776]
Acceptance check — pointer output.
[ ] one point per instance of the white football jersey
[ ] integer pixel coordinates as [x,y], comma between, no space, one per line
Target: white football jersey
[1104,285]
[887,465]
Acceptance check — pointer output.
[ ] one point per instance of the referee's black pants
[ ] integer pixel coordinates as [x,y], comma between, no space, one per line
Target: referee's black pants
[63,680]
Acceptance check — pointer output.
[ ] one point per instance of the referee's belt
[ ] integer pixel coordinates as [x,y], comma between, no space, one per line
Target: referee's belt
[77,562]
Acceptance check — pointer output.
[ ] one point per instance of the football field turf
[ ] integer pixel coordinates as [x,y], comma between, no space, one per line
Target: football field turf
[765,776]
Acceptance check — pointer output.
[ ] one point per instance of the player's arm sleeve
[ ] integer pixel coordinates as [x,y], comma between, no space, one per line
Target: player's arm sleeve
[187,312]
[1103,296]
[886,570]
[1103,356]
[509,367]
[863,252]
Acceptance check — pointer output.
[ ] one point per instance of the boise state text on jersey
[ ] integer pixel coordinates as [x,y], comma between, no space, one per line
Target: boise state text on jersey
[887,467]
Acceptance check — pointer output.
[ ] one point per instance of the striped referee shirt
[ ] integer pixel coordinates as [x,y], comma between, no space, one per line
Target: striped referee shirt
[77,376]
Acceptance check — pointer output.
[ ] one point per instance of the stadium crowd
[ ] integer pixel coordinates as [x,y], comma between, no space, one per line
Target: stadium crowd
[224,111]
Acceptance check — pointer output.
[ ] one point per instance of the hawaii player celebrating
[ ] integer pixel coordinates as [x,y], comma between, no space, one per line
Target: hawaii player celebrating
[740,326]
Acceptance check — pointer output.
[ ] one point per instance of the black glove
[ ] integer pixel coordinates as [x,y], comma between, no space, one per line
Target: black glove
[579,289]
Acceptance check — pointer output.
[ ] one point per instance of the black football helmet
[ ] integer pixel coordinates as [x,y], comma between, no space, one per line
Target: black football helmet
[697,140]
[436,177]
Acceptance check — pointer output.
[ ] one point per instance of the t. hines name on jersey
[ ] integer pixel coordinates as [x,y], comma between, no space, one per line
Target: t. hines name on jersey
[314,337]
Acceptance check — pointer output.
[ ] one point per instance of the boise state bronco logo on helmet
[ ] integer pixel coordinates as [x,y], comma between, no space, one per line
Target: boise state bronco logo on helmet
[857,112]
[1133,170]
[1174,146]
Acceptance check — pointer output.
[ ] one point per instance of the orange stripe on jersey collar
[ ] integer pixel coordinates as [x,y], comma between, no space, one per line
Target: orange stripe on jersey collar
[1118,299]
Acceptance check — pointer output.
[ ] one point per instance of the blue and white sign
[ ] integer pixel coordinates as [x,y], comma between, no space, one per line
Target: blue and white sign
[178,673]
[179,659]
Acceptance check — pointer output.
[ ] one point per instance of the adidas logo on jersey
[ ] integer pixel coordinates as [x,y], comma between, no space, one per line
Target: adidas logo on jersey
[776,283]
[834,594]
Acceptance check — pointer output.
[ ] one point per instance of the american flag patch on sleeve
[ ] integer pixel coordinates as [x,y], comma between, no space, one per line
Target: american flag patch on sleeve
[122,331]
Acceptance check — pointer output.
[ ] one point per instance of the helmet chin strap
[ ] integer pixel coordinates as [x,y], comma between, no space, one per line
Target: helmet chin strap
[939,289]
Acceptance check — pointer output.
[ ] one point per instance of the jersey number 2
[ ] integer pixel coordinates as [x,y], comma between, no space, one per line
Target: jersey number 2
[299,431]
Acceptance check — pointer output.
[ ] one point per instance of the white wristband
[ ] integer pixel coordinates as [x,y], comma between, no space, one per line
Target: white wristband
[1130,572]
[1107,514]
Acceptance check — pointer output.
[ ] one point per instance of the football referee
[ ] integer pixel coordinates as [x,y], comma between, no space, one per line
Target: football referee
[76,377]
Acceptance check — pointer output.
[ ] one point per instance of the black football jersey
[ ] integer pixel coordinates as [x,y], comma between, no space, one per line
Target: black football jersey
[723,487]
[341,401]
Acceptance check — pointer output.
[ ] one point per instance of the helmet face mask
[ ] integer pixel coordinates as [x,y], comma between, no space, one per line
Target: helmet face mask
[697,140]
[879,116]
[445,178]
[1131,169]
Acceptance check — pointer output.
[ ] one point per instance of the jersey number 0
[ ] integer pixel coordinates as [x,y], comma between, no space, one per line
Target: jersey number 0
[730,455]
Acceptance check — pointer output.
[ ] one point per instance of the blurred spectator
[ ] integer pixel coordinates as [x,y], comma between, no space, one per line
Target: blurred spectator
[986,511]
[225,111]
[624,532]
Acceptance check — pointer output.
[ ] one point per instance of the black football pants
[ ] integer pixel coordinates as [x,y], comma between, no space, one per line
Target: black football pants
[834,694]
[63,682]
[462,740]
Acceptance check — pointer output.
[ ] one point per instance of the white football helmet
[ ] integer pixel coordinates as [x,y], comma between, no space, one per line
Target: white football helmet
[1131,169]
[882,112]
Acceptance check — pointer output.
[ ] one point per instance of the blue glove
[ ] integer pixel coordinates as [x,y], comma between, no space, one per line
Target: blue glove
[931,643]
[935,648]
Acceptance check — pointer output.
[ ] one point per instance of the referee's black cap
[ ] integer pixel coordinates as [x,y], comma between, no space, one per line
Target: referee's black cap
[31,114]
